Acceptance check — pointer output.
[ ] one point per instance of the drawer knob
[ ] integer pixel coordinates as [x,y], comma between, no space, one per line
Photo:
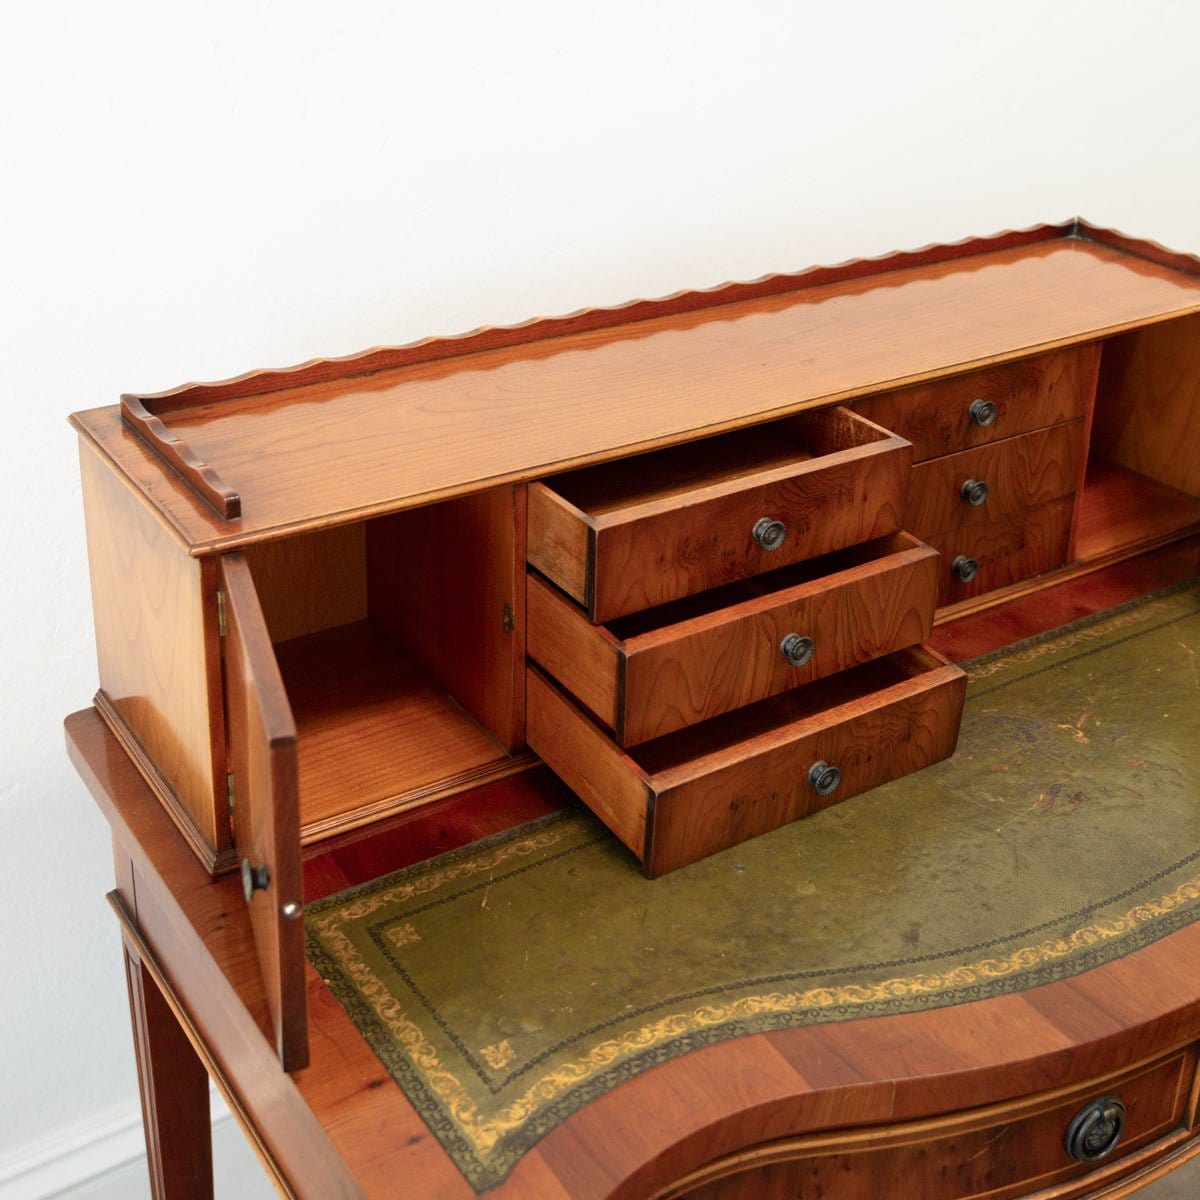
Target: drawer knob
[824,778]
[1095,1130]
[797,649]
[769,534]
[964,569]
[983,412]
[254,879]
[974,491]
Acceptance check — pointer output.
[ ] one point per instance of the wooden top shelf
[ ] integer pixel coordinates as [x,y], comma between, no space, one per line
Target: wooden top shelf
[336,441]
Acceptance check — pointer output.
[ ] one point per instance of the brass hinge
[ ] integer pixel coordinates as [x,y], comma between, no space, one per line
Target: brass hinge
[510,618]
[229,804]
[222,624]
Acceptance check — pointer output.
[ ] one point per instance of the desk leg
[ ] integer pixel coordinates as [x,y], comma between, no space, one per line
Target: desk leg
[174,1086]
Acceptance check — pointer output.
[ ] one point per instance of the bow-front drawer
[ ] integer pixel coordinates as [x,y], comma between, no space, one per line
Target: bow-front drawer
[657,671]
[681,797]
[641,531]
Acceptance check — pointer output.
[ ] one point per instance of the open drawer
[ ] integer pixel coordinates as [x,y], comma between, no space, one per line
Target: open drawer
[653,672]
[691,793]
[635,533]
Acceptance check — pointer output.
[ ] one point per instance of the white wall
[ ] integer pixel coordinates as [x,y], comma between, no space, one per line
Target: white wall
[192,190]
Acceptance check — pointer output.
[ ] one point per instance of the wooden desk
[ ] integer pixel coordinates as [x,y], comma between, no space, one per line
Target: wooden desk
[220,606]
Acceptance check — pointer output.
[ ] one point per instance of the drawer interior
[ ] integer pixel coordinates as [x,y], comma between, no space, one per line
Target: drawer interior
[396,700]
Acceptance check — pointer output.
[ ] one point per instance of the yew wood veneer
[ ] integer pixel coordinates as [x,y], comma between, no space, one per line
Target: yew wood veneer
[703,558]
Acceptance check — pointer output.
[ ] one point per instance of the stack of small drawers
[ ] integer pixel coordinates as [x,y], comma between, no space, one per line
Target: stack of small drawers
[725,636]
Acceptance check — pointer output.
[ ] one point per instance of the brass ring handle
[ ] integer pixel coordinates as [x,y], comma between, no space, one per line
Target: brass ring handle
[797,649]
[964,569]
[768,533]
[254,879]
[974,492]
[1095,1130]
[983,412]
[824,777]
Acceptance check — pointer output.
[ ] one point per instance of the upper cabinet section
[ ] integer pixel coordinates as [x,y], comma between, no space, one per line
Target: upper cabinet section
[332,441]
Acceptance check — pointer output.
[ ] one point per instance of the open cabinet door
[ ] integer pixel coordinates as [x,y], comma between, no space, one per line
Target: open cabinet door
[266,807]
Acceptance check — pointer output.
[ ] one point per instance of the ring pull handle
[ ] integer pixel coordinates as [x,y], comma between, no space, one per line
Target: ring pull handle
[768,533]
[1095,1130]
[797,649]
[964,569]
[824,778]
[974,492]
[983,412]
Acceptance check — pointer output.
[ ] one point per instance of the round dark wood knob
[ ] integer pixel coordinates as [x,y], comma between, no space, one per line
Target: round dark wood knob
[1095,1130]
[982,412]
[974,491]
[797,649]
[254,879]
[824,778]
[769,534]
[964,569]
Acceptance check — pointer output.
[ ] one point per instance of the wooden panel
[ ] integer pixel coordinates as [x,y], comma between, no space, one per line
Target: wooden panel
[734,792]
[1007,549]
[299,455]
[680,521]
[158,654]
[262,763]
[684,662]
[996,1154]
[312,581]
[1120,510]
[588,762]
[448,583]
[558,536]
[1020,473]
[1148,404]
[1029,394]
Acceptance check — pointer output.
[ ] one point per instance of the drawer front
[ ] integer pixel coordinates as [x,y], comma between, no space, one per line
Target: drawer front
[1004,1151]
[990,483]
[689,666]
[690,794]
[1035,392]
[981,557]
[617,543]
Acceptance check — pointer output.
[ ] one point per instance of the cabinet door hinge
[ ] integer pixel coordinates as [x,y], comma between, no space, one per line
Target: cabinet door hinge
[222,623]
[509,622]
[229,803]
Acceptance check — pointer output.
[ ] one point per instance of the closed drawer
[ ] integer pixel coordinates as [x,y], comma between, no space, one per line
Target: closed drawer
[632,534]
[657,671]
[983,556]
[938,417]
[1007,1150]
[689,794]
[990,483]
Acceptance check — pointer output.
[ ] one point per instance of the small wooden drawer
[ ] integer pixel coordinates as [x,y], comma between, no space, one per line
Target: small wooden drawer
[948,415]
[981,557]
[980,486]
[691,793]
[999,1152]
[642,531]
[657,671]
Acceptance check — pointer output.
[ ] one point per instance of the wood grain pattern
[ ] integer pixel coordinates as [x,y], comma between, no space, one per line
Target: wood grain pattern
[266,817]
[1020,472]
[157,647]
[1001,1152]
[1028,393]
[311,582]
[711,786]
[1148,404]
[447,583]
[680,521]
[682,663]
[320,453]
[1122,511]
[1008,549]
[341,1129]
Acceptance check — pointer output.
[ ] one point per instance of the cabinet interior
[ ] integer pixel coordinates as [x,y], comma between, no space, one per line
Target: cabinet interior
[398,656]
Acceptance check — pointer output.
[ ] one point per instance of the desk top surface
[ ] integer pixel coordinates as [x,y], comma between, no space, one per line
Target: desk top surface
[358,444]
